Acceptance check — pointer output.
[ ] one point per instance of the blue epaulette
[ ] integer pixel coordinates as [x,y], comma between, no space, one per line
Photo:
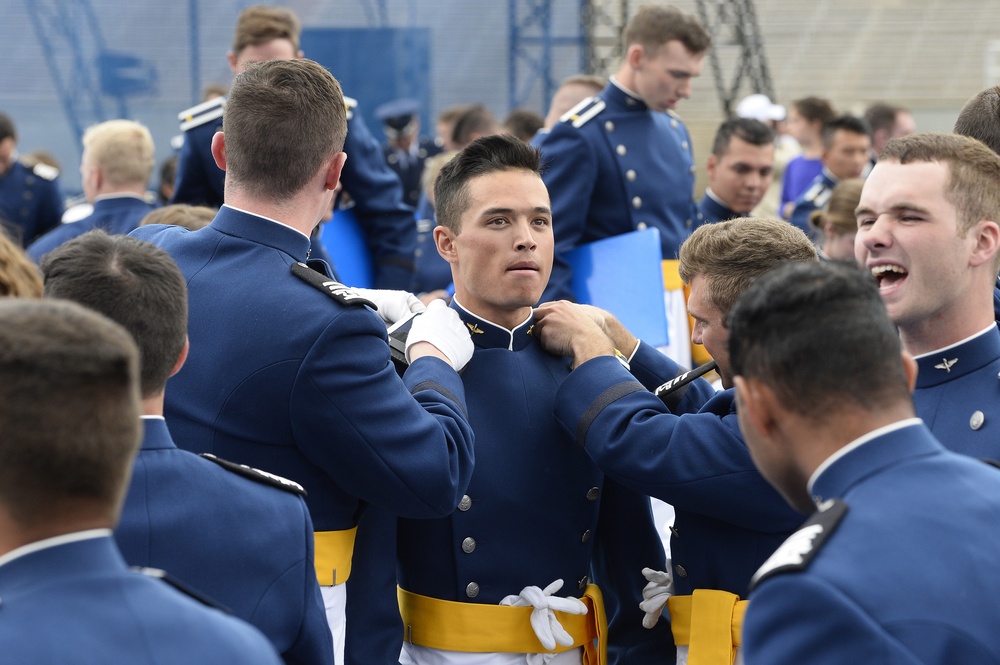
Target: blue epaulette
[196,116]
[583,112]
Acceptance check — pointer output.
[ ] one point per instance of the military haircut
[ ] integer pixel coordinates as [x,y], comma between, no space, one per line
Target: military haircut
[69,411]
[123,150]
[730,255]
[752,131]
[19,276]
[283,120]
[973,185]
[523,123]
[882,116]
[485,155]
[980,118]
[593,81]
[260,24]
[7,128]
[475,119]
[133,283]
[819,336]
[654,25]
[814,109]
[180,214]
[843,123]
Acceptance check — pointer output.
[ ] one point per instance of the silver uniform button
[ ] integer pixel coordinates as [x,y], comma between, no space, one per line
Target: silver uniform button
[636,202]
[673,123]
[465,503]
[472,590]
[469,545]
[585,537]
[681,572]
[630,175]
[977,420]
[593,493]
[609,126]
[641,226]
[688,223]
[621,150]
[418,252]
[692,170]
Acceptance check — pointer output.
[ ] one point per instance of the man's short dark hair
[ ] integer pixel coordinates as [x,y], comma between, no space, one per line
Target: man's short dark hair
[752,131]
[283,119]
[485,155]
[133,283]
[814,109]
[819,336]
[882,116]
[7,129]
[69,410]
[980,118]
[475,120]
[655,25]
[846,123]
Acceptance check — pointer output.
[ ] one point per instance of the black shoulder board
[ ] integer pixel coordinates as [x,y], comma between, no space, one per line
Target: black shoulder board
[800,548]
[672,392]
[180,586]
[330,287]
[992,462]
[258,475]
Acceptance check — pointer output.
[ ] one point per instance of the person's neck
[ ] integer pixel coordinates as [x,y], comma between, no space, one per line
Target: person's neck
[153,405]
[945,329]
[15,534]
[812,148]
[296,212]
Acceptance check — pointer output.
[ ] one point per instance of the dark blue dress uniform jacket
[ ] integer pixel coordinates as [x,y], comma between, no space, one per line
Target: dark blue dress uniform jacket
[711,211]
[115,214]
[614,166]
[375,190]
[814,198]
[283,378]
[30,202]
[78,603]
[958,395]
[728,518]
[908,575]
[244,544]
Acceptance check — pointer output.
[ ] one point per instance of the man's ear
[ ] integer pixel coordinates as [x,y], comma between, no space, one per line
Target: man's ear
[182,356]
[987,235]
[219,150]
[444,240]
[334,169]
[755,405]
[233,63]
[634,55]
[711,164]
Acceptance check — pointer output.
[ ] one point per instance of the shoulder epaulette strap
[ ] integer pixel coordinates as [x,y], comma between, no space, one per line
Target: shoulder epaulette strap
[798,551]
[583,112]
[257,475]
[180,586]
[673,391]
[351,104]
[673,114]
[196,116]
[45,171]
[814,190]
[992,462]
[330,287]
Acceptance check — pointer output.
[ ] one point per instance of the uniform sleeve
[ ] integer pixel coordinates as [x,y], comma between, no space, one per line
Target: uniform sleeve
[653,369]
[403,445]
[569,171]
[695,461]
[795,618]
[389,224]
[199,180]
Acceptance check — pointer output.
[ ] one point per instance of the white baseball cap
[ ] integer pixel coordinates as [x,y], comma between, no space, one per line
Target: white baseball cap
[760,107]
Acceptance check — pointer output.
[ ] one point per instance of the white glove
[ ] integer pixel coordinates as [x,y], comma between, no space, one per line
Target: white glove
[439,325]
[392,306]
[543,619]
[655,594]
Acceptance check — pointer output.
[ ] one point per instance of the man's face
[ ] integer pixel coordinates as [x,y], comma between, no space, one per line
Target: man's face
[7,153]
[908,238]
[904,125]
[848,154]
[664,77]
[741,176]
[276,49]
[709,329]
[502,259]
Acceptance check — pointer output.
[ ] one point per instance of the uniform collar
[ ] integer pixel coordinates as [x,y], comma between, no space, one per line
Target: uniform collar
[155,435]
[714,209]
[621,98]
[828,178]
[489,335]
[959,359]
[262,230]
[54,541]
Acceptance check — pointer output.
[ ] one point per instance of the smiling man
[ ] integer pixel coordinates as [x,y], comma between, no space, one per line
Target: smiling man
[739,169]
[927,231]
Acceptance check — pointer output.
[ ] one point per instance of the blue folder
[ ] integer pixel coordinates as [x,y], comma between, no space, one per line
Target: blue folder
[345,243]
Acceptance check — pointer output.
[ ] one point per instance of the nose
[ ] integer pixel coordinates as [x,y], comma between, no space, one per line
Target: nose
[685,90]
[696,333]
[525,238]
[875,236]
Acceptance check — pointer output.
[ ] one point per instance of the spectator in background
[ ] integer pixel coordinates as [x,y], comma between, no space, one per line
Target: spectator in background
[117,164]
[475,121]
[19,277]
[739,170]
[836,223]
[445,126]
[167,175]
[404,150]
[887,122]
[180,214]
[572,91]
[523,123]
[760,107]
[846,146]
[805,124]
[432,279]
[30,202]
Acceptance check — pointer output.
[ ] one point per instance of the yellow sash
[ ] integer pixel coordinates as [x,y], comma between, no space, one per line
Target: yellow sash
[709,623]
[478,628]
[333,553]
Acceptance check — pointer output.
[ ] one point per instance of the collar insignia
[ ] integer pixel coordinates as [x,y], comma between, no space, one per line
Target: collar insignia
[531,329]
[475,329]
[946,364]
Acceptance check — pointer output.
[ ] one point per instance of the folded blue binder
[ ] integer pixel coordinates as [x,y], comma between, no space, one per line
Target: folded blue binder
[345,243]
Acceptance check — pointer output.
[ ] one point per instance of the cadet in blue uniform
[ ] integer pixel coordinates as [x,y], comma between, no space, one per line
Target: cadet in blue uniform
[829,421]
[267,33]
[243,538]
[623,160]
[118,161]
[405,151]
[928,232]
[728,519]
[30,202]
[739,169]
[846,149]
[289,371]
[69,412]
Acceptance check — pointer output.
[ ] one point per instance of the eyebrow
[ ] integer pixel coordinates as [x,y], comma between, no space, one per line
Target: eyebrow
[899,207]
[545,210]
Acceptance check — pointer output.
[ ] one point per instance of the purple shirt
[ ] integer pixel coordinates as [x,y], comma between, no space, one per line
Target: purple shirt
[799,173]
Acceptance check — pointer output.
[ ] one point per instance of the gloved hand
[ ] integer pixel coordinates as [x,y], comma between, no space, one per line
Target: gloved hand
[543,619]
[660,587]
[440,325]
[392,305]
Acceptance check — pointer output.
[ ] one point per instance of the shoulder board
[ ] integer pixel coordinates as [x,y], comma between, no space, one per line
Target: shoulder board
[351,104]
[330,287]
[180,586]
[257,475]
[814,190]
[45,171]
[992,462]
[583,112]
[798,551]
[673,114]
[196,116]
[672,392]
[822,197]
